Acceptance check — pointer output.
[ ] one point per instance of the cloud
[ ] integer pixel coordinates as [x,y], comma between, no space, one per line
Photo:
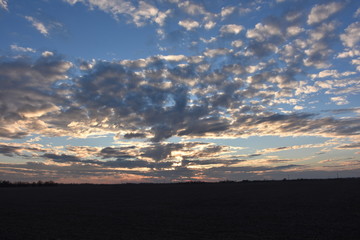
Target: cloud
[319,51]
[23,102]
[234,172]
[322,12]
[351,36]
[264,82]
[357,13]
[263,32]
[332,73]
[349,53]
[209,25]
[217,51]
[237,43]
[294,30]
[141,14]
[22,149]
[9,150]
[189,24]
[292,16]
[295,147]
[226,11]
[4,4]
[220,93]
[134,135]
[63,158]
[350,146]
[192,8]
[38,25]
[175,58]
[231,29]
[211,40]
[340,100]
[17,48]
[297,107]
[47,54]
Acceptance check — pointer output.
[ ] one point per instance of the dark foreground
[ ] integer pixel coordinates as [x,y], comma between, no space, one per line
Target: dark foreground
[308,209]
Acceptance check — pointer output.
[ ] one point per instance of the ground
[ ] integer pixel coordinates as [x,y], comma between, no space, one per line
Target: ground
[306,209]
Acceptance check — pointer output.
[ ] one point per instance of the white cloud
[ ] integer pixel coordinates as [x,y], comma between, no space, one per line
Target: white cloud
[139,15]
[212,39]
[209,25]
[226,11]
[321,12]
[303,88]
[349,53]
[323,31]
[356,62]
[214,52]
[3,4]
[294,30]
[351,36]
[237,43]
[174,58]
[47,54]
[22,49]
[339,100]
[292,16]
[72,2]
[38,25]
[189,24]
[357,13]
[231,29]
[146,12]
[325,84]
[161,16]
[262,32]
[331,73]
[244,11]
[192,8]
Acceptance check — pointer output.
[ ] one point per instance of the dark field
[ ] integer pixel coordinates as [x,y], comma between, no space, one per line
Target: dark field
[307,209]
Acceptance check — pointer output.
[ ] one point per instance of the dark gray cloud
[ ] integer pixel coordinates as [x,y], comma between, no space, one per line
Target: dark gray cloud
[27,93]
[130,164]
[134,135]
[355,145]
[209,161]
[110,152]
[120,162]
[63,158]
[9,150]
[33,171]
[164,96]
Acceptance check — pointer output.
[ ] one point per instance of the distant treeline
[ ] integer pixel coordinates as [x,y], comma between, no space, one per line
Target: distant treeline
[4,183]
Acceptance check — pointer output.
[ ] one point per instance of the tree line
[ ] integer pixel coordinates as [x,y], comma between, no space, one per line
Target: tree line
[5,183]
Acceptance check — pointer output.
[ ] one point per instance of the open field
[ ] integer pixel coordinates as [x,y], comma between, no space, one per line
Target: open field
[307,209]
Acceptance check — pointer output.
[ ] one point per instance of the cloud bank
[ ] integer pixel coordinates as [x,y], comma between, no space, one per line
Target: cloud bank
[235,82]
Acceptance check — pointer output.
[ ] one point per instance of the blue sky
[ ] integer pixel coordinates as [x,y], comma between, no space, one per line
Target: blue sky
[113,91]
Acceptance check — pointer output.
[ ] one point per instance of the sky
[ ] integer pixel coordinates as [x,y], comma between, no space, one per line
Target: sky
[117,91]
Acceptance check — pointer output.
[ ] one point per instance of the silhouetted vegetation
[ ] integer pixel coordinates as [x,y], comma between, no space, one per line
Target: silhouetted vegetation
[5,183]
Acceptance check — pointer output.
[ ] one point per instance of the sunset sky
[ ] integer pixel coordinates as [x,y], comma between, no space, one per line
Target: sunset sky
[113,91]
